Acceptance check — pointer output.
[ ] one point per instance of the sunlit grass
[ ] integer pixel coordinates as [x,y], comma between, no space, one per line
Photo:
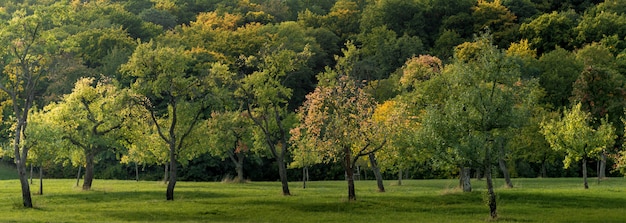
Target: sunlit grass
[532,200]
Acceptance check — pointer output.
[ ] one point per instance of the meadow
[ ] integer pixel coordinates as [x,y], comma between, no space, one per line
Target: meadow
[532,200]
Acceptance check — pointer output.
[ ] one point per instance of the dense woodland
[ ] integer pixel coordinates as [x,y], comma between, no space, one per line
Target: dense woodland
[295,89]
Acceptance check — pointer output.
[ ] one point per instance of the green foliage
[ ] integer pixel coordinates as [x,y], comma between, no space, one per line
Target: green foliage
[88,120]
[482,90]
[574,134]
[549,31]
[559,70]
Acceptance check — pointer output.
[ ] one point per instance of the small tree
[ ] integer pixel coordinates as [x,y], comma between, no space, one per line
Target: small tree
[230,135]
[90,119]
[574,134]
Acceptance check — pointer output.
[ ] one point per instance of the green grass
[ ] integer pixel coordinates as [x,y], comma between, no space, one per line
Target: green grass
[533,200]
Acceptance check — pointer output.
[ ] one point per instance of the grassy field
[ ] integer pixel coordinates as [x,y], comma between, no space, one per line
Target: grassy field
[533,200]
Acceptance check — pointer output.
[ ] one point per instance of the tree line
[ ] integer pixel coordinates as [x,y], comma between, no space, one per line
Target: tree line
[453,87]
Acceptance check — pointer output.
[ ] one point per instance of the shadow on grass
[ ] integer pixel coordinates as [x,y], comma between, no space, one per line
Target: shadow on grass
[132,196]
[545,200]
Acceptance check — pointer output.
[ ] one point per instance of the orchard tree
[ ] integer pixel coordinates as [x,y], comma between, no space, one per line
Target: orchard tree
[483,101]
[230,136]
[177,94]
[336,120]
[600,90]
[90,119]
[44,142]
[574,134]
[265,100]
[27,49]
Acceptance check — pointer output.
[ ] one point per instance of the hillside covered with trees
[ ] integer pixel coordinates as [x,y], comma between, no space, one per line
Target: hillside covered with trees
[295,89]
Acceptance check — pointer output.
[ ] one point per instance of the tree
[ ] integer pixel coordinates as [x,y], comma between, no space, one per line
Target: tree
[230,136]
[265,99]
[483,101]
[574,134]
[336,120]
[559,70]
[43,142]
[27,51]
[548,31]
[90,119]
[497,18]
[176,98]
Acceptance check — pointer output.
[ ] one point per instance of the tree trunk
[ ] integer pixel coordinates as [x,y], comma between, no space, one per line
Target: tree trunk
[31,173]
[490,192]
[239,167]
[165,173]
[478,175]
[544,171]
[349,174]
[40,180]
[585,172]
[502,164]
[602,171]
[399,177]
[169,195]
[376,170]
[26,196]
[465,179]
[78,175]
[505,172]
[304,176]
[136,172]
[282,172]
[88,179]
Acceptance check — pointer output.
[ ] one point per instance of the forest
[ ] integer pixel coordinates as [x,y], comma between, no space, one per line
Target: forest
[289,90]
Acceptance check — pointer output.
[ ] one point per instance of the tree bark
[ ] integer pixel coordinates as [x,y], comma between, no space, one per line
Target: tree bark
[399,177]
[304,176]
[465,179]
[40,180]
[282,172]
[376,170]
[585,173]
[89,164]
[502,164]
[78,175]
[505,173]
[239,167]
[165,173]
[31,173]
[491,194]
[136,172]
[602,171]
[21,154]
[349,174]
[26,196]
[169,195]
[544,171]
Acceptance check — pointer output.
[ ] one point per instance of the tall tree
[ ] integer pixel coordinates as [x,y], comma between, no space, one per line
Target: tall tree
[265,98]
[176,96]
[27,50]
[484,94]
[336,120]
[574,134]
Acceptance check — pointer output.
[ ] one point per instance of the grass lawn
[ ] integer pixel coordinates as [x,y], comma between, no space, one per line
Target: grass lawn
[533,200]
